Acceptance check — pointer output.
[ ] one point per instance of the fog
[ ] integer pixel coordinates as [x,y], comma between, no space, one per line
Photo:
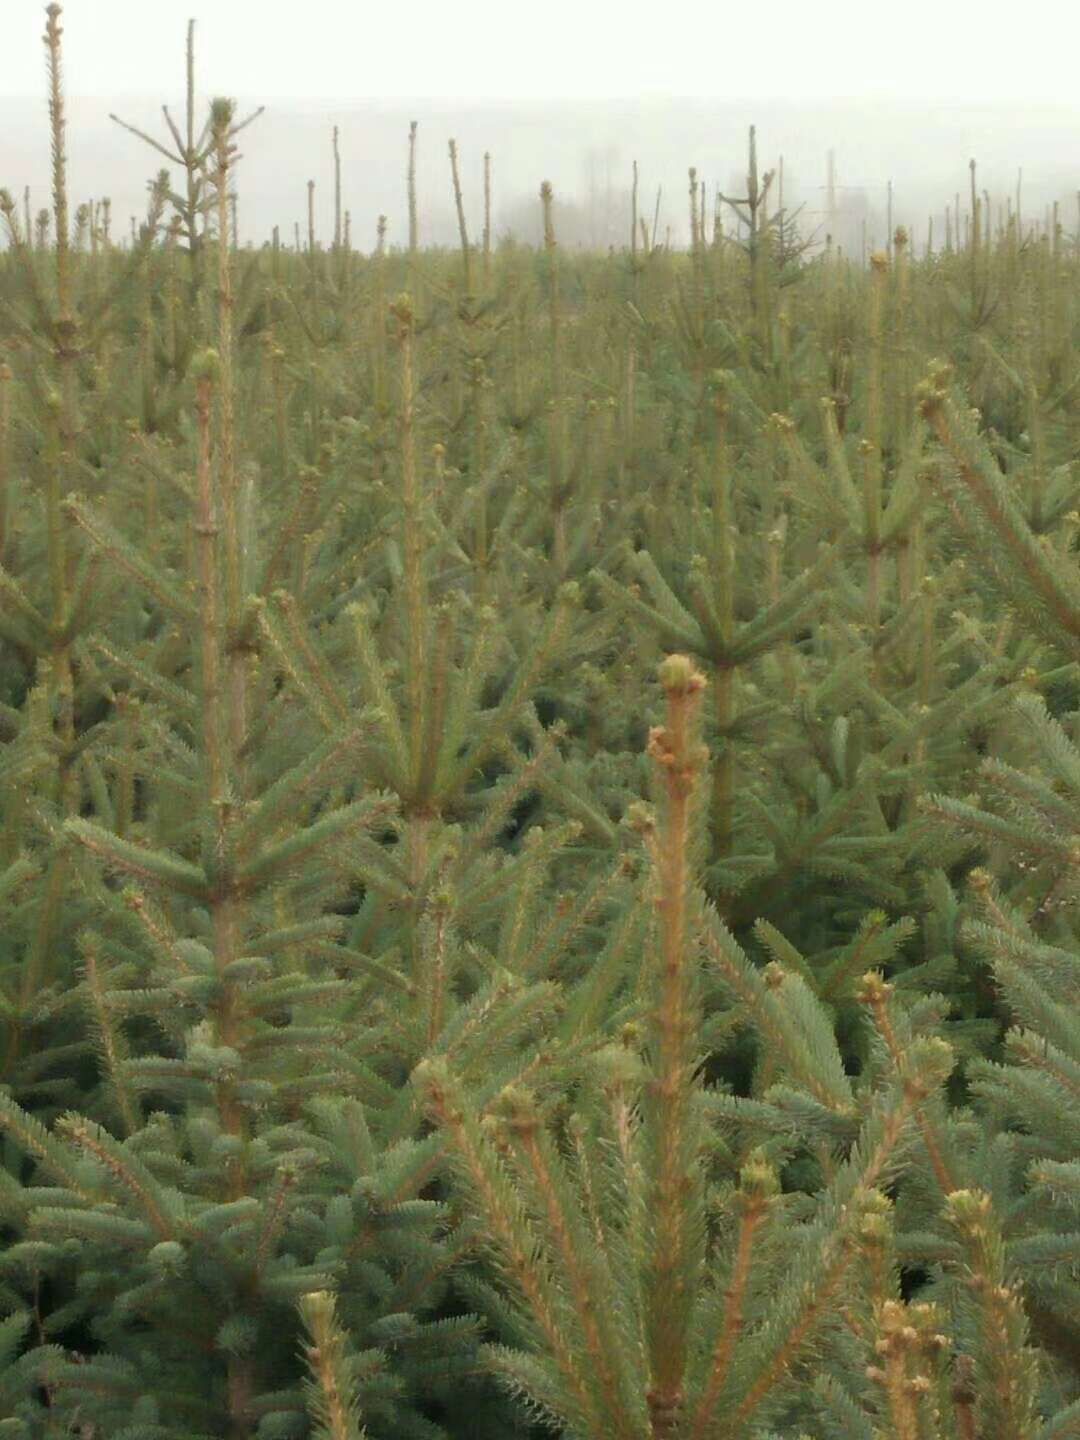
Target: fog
[867,85]
[586,150]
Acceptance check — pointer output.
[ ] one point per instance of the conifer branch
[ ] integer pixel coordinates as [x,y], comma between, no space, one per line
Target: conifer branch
[1005,1374]
[113,1047]
[874,993]
[34,1140]
[331,1394]
[122,553]
[519,1248]
[156,867]
[124,1169]
[757,1192]
[671,1255]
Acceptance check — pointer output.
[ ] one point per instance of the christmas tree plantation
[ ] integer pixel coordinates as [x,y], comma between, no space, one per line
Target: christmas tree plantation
[540,857]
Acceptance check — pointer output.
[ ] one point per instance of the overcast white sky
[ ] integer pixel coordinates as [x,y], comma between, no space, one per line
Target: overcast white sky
[958,50]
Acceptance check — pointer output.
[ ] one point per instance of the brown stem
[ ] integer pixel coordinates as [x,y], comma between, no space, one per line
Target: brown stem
[752,1217]
[676,751]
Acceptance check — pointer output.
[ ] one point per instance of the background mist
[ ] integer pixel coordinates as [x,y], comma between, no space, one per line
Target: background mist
[586,151]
